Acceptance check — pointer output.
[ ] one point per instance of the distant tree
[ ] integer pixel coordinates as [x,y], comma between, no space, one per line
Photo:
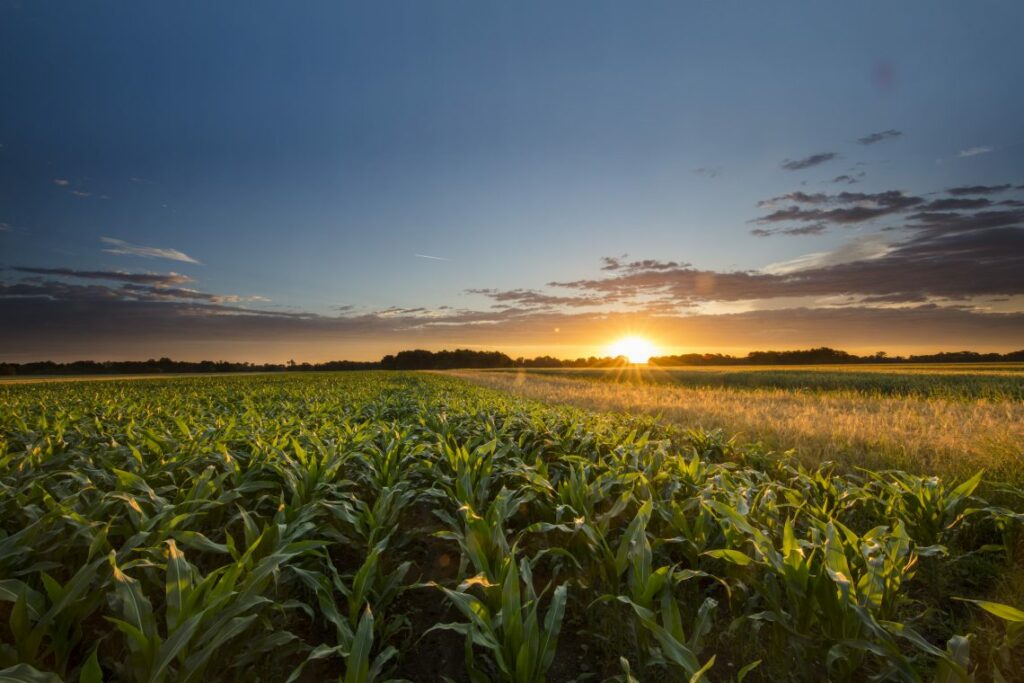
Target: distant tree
[419,359]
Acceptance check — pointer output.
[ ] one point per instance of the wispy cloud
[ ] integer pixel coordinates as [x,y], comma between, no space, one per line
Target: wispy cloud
[978,189]
[123,248]
[808,162]
[878,137]
[811,229]
[709,171]
[974,151]
[159,279]
[80,194]
[865,248]
[432,258]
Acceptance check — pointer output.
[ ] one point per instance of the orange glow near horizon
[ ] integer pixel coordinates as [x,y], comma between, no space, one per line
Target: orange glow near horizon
[637,349]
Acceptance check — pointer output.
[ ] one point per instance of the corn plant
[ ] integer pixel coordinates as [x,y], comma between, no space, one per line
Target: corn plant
[521,645]
[274,527]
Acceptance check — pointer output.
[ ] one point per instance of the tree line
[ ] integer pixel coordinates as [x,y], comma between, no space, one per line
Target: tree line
[827,356]
[420,359]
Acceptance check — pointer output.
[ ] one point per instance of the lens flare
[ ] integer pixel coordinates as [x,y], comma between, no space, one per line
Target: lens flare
[636,349]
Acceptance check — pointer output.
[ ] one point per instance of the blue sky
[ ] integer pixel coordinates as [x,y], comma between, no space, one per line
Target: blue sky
[304,155]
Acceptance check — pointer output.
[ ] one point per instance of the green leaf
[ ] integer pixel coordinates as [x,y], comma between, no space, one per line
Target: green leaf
[12,589]
[1000,610]
[734,556]
[23,673]
[746,670]
[178,584]
[91,671]
[699,675]
[357,664]
[967,488]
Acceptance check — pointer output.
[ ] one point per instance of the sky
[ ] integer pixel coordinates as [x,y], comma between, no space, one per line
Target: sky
[327,180]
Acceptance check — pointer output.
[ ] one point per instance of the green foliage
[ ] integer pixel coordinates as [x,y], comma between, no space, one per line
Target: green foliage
[351,526]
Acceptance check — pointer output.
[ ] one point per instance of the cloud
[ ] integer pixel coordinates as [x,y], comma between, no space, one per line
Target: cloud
[160,279]
[844,208]
[709,171]
[878,137]
[808,162]
[956,204]
[864,248]
[42,327]
[978,189]
[974,151]
[80,194]
[812,229]
[533,298]
[617,263]
[432,258]
[61,182]
[847,179]
[126,249]
[946,255]
[934,259]
[852,208]
[134,287]
[163,293]
[944,222]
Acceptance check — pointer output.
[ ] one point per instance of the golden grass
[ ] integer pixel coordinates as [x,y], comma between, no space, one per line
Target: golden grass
[921,434]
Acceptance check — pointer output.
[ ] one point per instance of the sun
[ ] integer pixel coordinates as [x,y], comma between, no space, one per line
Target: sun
[636,349]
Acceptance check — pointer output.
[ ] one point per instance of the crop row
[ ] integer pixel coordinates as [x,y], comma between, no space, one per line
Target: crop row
[367,527]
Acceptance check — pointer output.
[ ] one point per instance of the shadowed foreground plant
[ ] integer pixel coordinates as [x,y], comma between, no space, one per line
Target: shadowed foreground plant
[521,646]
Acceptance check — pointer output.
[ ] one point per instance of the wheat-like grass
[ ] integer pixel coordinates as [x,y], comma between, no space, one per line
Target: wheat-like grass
[921,434]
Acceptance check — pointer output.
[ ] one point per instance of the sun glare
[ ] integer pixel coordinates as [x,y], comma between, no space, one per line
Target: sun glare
[636,349]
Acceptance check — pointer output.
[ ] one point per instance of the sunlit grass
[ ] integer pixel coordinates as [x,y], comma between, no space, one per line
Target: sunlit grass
[869,428]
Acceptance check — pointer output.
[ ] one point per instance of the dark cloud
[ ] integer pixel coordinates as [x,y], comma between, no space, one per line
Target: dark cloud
[957,204]
[948,222]
[165,279]
[618,263]
[808,162]
[893,299]
[846,179]
[532,298]
[39,287]
[812,229]
[878,137]
[651,264]
[849,207]
[978,189]
[947,255]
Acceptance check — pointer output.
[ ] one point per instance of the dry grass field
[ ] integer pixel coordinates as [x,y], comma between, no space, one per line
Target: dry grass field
[944,419]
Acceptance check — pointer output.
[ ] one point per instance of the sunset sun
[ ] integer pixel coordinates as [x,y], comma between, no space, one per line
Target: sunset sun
[636,349]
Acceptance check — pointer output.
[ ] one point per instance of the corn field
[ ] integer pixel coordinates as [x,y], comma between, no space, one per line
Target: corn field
[371,527]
